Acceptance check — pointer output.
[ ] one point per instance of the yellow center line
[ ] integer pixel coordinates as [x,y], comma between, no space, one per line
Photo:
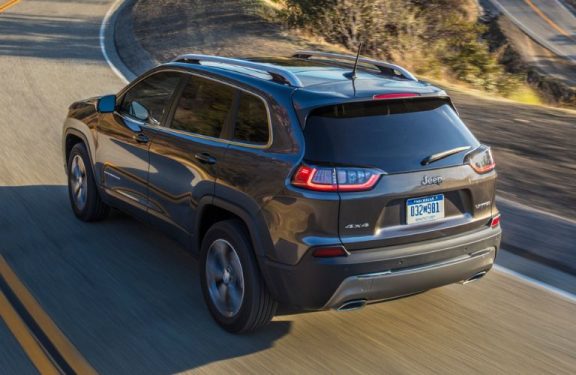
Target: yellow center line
[7,5]
[64,347]
[547,19]
[29,344]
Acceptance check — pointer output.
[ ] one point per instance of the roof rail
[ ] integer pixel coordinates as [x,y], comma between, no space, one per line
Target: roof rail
[384,67]
[278,74]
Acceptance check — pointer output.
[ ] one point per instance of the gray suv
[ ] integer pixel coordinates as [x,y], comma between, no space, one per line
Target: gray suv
[316,181]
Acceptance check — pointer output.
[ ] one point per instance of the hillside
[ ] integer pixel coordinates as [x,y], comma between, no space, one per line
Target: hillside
[227,27]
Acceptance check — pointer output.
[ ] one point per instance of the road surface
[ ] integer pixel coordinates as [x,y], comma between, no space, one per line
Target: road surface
[127,298]
[549,22]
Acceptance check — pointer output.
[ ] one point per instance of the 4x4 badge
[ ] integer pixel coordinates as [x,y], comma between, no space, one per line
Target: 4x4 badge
[435,180]
[357,226]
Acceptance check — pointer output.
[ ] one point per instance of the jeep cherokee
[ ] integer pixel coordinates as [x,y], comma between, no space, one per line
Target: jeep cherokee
[317,181]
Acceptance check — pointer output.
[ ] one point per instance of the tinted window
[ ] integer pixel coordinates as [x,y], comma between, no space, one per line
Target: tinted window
[203,107]
[394,136]
[251,120]
[148,100]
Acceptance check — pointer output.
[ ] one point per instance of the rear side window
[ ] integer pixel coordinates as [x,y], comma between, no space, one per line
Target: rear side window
[251,120]
[203,107]
[394,136]
[148,100]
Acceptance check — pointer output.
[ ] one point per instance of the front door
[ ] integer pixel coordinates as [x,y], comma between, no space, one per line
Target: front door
[124,138]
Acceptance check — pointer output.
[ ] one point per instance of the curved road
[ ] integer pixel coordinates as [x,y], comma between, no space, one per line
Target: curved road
[547,21]
[127,297]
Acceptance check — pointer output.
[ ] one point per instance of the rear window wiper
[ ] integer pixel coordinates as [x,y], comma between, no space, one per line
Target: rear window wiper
[444,154]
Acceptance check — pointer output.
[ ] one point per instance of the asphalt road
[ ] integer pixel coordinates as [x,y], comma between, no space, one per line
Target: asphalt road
[547,21]
[13,359]
[127,297]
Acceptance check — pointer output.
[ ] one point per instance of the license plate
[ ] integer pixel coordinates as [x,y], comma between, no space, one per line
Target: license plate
[420,210]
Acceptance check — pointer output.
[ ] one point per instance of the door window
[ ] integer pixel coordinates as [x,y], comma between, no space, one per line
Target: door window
[148,100]
[203,107]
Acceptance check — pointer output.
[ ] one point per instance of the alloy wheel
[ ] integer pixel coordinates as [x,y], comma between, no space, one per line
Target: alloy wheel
[78,182]
[224,278]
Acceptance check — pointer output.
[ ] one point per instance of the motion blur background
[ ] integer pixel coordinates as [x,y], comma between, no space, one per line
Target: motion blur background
[120,297]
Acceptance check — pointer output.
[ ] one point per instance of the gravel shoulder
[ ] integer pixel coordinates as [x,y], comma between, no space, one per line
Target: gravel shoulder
[534,146]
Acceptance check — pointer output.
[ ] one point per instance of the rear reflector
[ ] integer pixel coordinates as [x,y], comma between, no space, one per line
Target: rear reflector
[495,221]
[395,95]
[335,179]
[330,252]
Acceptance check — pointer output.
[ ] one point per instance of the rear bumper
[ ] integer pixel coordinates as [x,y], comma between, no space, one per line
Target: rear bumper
[391,284]
[382,273]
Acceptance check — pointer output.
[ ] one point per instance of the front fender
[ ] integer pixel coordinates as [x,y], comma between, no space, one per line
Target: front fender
[81,130]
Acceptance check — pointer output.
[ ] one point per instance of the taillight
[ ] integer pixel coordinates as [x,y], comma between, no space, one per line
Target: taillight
[335,179]
[321,179]
[481,159]
[330,252]
[495,221]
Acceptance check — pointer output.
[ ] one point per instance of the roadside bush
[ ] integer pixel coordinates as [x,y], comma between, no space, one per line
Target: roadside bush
[435,37]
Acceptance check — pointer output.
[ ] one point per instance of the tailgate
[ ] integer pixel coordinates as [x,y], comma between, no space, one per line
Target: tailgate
[379,217]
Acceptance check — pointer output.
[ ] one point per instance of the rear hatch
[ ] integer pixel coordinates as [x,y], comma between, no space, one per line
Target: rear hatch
[420,152]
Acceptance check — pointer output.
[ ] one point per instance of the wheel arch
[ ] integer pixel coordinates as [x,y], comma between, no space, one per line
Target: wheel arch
[72,136]
[253,221]
[213,209]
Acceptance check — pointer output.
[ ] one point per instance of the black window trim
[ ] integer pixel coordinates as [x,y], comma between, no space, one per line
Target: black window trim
[227,129]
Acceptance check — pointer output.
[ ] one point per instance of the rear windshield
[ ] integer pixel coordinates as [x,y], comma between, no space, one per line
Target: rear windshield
[394,136]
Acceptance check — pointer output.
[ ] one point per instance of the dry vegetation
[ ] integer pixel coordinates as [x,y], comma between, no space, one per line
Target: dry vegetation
[438,38]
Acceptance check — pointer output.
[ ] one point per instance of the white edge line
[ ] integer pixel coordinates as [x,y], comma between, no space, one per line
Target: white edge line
[103,26]
[527,30]
[521,206]
[539,284]
[561,4]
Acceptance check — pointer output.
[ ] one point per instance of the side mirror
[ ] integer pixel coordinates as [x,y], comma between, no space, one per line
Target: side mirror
[106,104]
[139,111]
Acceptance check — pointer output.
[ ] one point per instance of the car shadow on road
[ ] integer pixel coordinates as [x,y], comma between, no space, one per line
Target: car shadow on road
[125,295]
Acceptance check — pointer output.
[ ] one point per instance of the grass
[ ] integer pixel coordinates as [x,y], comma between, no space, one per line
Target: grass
[523,95]
[526,95]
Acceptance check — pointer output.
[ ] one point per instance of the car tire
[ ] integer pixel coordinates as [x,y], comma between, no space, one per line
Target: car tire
[237,305]
[82,190]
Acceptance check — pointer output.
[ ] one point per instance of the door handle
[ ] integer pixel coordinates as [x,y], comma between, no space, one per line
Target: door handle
[205,158]
[141,138]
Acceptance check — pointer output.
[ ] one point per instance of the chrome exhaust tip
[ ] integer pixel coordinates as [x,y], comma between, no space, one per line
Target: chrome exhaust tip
[356,304]
[476,277]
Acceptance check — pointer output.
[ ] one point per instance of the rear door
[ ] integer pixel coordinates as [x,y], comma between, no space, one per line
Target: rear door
[185,157]
[422,193]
